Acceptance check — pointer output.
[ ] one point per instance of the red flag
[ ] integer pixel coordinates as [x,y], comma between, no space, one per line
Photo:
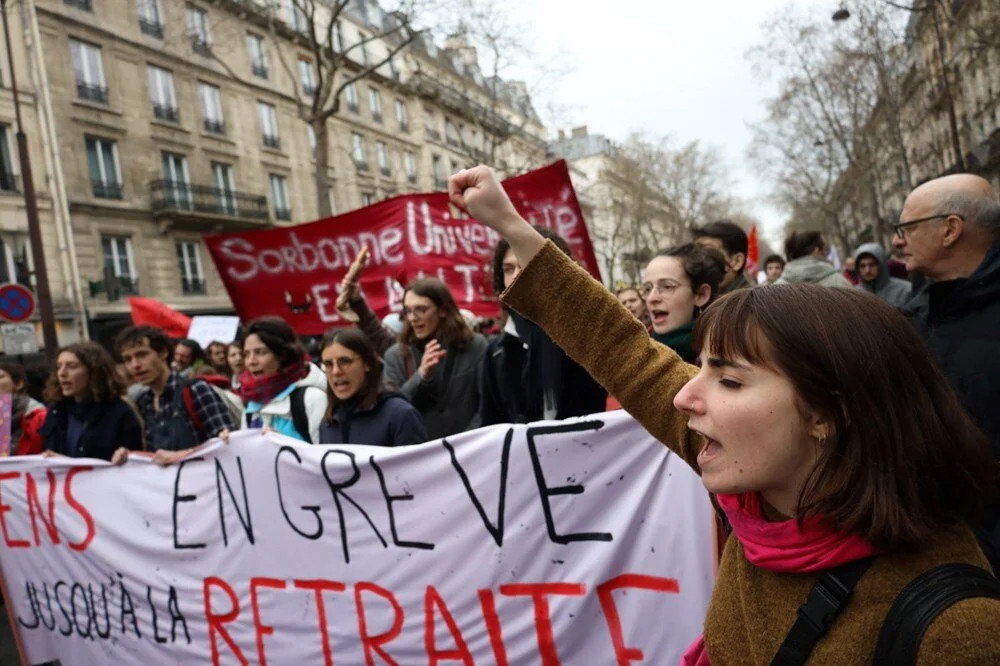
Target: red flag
[151,312]
[753,254]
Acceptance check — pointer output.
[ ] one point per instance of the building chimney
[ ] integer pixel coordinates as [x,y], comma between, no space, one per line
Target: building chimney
[579,131]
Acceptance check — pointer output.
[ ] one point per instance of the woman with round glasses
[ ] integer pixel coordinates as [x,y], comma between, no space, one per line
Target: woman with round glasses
[359,411]
[678,284]
[437,362]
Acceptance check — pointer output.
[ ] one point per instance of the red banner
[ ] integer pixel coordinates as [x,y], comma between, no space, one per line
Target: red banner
[151,312]
[295,272]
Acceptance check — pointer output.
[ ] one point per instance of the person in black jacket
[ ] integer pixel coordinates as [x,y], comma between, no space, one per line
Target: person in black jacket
[359,411]
[525,376]
[949,232]
[87,416]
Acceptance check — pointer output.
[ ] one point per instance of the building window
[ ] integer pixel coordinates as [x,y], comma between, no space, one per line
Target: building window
[224,188]
[211,108]
[16,264]
[89,71]
[363,45]
[161,93]
[451,134]
[402,117]
[178,182]
[258,61]
[375,102]
[297,18]
[382,156]
[367,198]
[338,37]
[8,182]
[311,136]
[149,18]
[360,156]
[430,124]
[197,25]
[351,95]
[105,172]
[189,264]
[410,165]
[119,264]
[306,77]
[268,124]
[437,167]
[79,4]
[279,196]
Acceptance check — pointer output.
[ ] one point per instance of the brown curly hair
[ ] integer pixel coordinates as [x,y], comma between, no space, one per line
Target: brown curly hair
[104,383]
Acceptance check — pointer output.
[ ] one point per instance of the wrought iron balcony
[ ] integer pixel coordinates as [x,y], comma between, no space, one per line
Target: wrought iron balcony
[171,196]
[308,89]
[432,133]
[213,126]
[282,213]
[91,92]
[440,183]
[385,171]
[200,45]
[412,178]
[272,141]
[362,166]
[9,182]
[377,116]
[79,4]
[404,126]
[107,190]
[151,28]
[259,70]
[352,107]
[168,113]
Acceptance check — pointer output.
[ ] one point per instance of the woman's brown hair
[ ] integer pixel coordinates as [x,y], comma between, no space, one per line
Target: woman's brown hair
[104,384]
[452,330]
[360,344]
[902,460]
[278,336]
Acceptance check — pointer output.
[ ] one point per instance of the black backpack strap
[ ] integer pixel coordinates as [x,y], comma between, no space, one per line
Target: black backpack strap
[921,601]
[299,417]
[815,617]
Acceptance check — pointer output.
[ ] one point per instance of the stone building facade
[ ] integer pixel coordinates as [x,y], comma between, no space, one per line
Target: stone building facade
[153,122]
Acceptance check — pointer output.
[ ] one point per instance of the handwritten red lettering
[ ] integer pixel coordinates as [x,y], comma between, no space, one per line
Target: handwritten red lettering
[4,508]
[623,653]
[216,622]
[461,652]
[493,626]
[318,587]
[79,508]
[543,621]
[260,629]
[374,643]
[31,490]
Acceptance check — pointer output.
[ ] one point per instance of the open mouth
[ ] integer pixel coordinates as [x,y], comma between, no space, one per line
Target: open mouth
[710,451]
[658,316]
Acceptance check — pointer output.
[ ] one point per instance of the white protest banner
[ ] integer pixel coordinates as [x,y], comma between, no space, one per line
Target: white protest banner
[580,542]
[206,329]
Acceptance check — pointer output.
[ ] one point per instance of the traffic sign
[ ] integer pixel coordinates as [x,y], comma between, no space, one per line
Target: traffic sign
[17,303]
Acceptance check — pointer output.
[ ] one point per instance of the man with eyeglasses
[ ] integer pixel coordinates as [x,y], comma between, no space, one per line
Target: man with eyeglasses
[949,231]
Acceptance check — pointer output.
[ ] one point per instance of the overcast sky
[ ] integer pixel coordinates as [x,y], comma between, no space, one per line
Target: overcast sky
[666,67]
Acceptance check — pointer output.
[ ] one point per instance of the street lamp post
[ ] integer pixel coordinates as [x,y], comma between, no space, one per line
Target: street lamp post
[843,14]
[44,296]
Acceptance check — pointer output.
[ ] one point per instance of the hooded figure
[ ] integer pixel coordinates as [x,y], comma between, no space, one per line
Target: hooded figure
[892,290]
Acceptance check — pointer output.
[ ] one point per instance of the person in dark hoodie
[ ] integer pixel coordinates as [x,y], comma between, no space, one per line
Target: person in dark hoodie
[525,376]
[949,232]
[873,271]
[359,411]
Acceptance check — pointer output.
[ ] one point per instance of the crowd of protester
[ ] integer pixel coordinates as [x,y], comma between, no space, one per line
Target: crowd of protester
[861,400]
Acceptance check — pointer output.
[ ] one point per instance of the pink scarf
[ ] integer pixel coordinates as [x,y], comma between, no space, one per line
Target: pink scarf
[782,547]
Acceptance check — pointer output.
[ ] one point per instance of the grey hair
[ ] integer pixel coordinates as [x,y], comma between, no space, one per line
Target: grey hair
[982,211]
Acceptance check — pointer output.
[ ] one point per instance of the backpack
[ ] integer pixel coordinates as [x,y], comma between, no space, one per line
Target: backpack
[916,607]
[220,386]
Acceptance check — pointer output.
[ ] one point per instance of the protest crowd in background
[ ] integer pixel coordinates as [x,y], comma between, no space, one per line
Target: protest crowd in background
[848,385]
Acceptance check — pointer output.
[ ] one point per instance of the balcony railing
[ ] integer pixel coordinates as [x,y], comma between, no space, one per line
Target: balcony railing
[151,28]
[352,107]
[168,113]
[308,89]
[404,126]
[385,171]
[107,190]
[377,116]
[440,183]
[9,182]
[412,178]
[362,166]
[214,126]
[200,45]
[272,141]
[79,4]
[170,195]
[282,213]
[259,70]
[113,285]
[91,92]
[193,285]
[432,133]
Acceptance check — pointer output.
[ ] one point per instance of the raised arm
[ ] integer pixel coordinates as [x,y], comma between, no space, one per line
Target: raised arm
[584,318]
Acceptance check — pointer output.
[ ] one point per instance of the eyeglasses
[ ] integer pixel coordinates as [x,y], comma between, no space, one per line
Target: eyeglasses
[899,228]
[418,310]
[664,286]
[342,363]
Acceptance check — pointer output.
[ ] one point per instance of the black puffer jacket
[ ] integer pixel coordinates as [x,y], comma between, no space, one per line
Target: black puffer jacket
[106,426]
